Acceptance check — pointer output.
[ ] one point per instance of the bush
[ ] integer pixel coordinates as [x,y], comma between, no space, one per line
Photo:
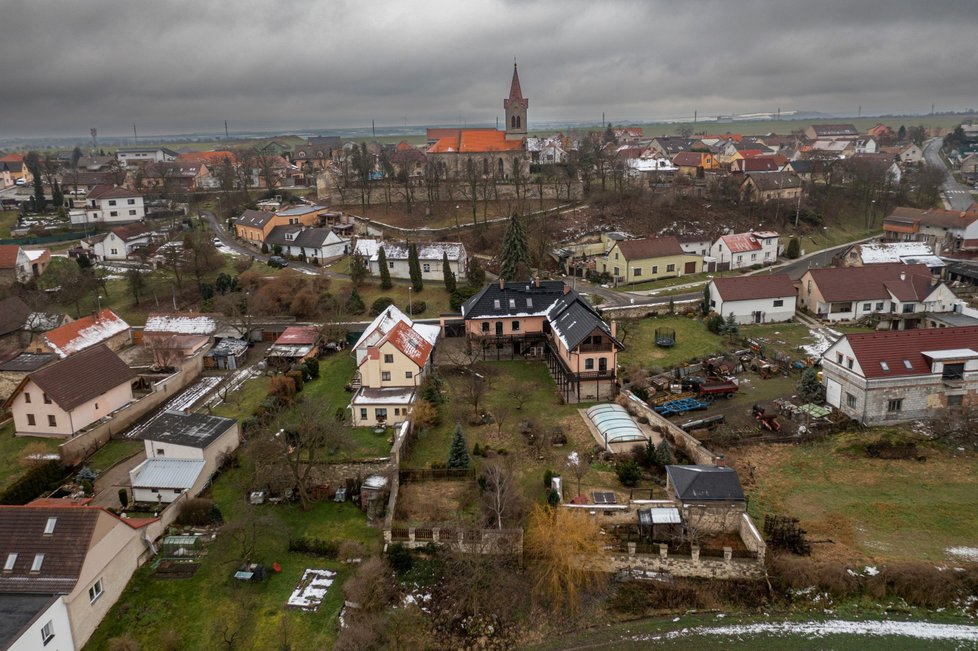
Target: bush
[715,324]
[425,414]
[793,250]
[380,305]
[199,512]
[282,388]
[315,547]
[628,472]
[40,479]
[548,477]
[297,378]
[311,368]
[414,308]
[400,558]
[461,294]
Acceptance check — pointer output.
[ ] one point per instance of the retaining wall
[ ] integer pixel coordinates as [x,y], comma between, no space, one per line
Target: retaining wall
[693,448]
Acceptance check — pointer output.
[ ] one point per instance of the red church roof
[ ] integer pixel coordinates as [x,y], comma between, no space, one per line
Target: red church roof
[476,141]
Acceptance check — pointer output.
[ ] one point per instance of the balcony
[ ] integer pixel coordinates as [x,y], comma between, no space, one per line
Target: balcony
[595,348]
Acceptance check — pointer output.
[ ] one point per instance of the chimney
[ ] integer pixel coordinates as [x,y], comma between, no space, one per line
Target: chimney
[566,289]
[934,280]
[502,283]
[719,461]
[614,328]
[536,282]
[903,275]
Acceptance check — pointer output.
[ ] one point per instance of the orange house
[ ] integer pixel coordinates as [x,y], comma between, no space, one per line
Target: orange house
[255,225]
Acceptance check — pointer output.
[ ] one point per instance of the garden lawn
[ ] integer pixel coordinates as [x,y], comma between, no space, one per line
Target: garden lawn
[11,448]
[8,219]
[871,509]
[693,341]
[112,453]
[195,611]
[243,402]
[437,299]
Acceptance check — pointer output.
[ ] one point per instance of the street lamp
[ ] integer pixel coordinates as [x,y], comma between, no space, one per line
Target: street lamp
[410,312]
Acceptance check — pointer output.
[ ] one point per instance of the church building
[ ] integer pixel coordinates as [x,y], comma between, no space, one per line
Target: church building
[487,152]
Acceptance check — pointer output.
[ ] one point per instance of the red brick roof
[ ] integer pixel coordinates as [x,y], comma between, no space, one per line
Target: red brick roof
[895,346]
[208,157]
[931,217]
[407,340]
[745,288]
[8,255]
[473,141]
[741,242]
[872,282]
[688,159]
[298,336]
[85,332]
[650,247]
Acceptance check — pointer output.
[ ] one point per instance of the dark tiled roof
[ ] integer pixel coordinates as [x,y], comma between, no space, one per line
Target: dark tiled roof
[835,130]
[111,192]
[770,181]
[82,376]
[937,217]
[13,314]
[22,533]
[896,346]
[868,282]
[650,247]
[705,483]
[131,231]
[573,320]
[17,611]
[27,362]
[745,288]
[192,430]
[311,238]
[526,298]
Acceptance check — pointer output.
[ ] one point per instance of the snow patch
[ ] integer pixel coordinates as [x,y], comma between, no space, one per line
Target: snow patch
[917,630]
[967,553]
[824,337]
[312,588]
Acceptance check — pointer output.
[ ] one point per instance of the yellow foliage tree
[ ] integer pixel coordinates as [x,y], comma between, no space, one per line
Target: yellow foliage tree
[565,551]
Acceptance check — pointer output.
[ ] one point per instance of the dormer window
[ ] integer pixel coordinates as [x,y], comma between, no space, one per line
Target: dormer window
[497,304]
[49,526]
[512,303]
[885,366]
[529,302]
[38,562]
[8,565]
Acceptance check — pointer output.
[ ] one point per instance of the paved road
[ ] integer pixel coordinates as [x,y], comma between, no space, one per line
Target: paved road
[957,196]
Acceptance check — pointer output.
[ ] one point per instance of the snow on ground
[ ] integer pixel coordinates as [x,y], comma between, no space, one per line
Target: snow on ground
[233,383]
[824,337]
[311,590]
[965,553]
[917,630]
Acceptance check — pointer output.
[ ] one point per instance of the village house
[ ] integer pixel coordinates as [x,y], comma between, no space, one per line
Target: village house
[430,257]
[314,245]
[740,250]
[13,316]
[757,164]
[698,245]
[119,243]
[15,265]
[867,253]
[183,452]
[885,377]
[694,163]
[487,152]
[64,566]
[393,355]
[64,398]
[178,176]
[969,168]
[105,327]
[40,259]
[669,146]
[545,319]
[771,186]
[765,298]
[316,153]
[547,151]
[256,225]
[651,258]
[943,230]
[883,163]
[106,204]
[13,171]
[171,338]
[144,155]
[831,132]
[898,295]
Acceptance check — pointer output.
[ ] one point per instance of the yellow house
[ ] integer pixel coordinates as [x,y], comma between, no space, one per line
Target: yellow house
[651,258]
[255,225]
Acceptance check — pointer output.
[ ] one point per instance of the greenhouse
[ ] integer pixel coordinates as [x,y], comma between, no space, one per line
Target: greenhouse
[615,425]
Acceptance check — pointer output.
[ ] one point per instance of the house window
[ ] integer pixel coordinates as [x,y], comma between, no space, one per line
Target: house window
[637,271]
[713,303]
[879,306]
[30,420]
[753,256]
[867,307]
[954,401]
[131,202]
[388,359]
[111,202]
[515,326]
[363,413]
[47,400]
[426,267]
[381,413]
[617,271]
[838,358]
[132,212]
[113,213]
[512,303]
[27,397]
[485,326]
[740,258]
[408,375]
[529,302]
[779,302]
[38,562]
[47,632]
[655,269]
[52,420]
[953,371]
[884,366]
[589,364]
[385,376]
[907,364]
[115,251]
[8,565]
[908,308]
[49,526]
[849,361]
[95,591]
[850,400]
[895,405]
[160,452]
[390,264]
[670,268]
[397,411]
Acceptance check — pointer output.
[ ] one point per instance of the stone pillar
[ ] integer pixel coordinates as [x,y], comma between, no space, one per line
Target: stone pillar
[631,549]
[694,551]
[663,551]
[387,535]
[411,534]
[435,535]
[727,554]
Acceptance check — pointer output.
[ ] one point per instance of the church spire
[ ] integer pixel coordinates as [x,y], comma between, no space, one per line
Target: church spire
[515,92]
[515,106]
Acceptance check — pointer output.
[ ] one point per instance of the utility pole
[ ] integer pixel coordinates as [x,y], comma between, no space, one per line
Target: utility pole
[135,136]
[226,137]
[373,128]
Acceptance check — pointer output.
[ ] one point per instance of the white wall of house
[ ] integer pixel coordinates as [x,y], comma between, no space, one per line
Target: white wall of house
[115,211]
[53,621]
[161,495]
[327,250]
[372,415]
[38,418]
[430,269]
[211,455]
[114,247]
[768,254]
[759,310]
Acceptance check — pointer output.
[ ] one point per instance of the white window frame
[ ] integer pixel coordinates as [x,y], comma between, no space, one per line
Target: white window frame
[95,591]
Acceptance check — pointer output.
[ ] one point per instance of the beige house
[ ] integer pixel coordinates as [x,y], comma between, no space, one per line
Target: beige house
[178,437]
[62,399]
[651,258]
[79,557]
[393,355]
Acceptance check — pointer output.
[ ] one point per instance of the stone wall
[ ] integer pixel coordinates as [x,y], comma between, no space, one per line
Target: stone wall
[641,311]
[691,566]
[683,440]
[751,537]
[468,541]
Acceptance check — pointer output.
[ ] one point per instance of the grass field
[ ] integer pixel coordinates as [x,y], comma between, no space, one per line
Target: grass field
[8,219]
[11,448]
[693,340]
[871,509]
[111,453]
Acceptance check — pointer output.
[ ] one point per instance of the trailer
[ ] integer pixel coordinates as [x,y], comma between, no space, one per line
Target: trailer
[711,389]
[675,407]
[709,422]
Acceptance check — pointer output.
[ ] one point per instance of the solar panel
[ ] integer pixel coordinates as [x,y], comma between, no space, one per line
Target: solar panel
[601,497]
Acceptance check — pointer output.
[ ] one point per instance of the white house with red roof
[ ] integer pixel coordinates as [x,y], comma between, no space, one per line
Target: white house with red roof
[739,250]
[393,355]
[892,376]
[765,298]
[15,265]
[107,204]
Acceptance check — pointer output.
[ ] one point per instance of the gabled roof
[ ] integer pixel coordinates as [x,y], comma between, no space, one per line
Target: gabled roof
[410,342]
[745,288]
[111,192]
[8,255]
[386,321]
[935,217]
[471,141]
[79,378]
[298,336]
[573,320]
[430,251]
[304,237]
[131,231]
[85,332]
[297,211]
[27,362]
[898,348]
[513,299]
[183,324]
[253,218]
[705,483]
[771,181]
[13,314]
[745,242]
[688,159]
[650,247]
[191,430]
[829,130]
[180,474]
[872,282]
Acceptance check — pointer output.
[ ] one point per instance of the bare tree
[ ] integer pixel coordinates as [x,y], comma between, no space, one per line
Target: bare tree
[501,495]
[164,349]
[308,434]
[578,467]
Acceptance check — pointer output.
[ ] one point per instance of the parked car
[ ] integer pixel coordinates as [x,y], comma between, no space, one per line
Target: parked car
[278,262]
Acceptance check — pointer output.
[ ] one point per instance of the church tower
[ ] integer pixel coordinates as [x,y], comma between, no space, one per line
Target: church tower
[515,109]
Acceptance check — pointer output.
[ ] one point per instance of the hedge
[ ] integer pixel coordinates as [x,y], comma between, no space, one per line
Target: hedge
[36,482]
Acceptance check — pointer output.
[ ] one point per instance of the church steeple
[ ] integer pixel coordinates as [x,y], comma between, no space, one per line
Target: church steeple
[515,106]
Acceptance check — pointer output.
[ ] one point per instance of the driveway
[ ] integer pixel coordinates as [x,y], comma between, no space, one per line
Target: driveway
[107,484]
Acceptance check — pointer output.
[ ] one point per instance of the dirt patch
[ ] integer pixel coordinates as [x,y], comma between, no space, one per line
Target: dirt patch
[435,501]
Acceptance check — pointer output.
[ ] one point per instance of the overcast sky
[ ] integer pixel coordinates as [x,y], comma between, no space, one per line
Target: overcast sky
[182,66]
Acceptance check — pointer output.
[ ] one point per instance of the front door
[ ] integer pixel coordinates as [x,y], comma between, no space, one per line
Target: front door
[499,328]
[602,364]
